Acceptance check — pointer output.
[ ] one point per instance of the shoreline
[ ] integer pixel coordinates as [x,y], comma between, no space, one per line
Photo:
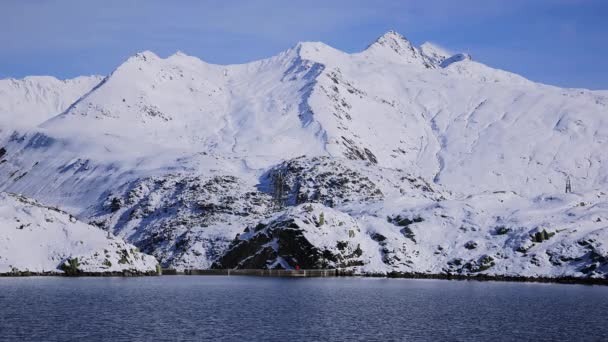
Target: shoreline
[81,274]
[320,273]
[402,275]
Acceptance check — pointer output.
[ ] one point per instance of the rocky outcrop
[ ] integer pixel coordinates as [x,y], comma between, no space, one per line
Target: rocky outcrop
[320,180]
[309,236]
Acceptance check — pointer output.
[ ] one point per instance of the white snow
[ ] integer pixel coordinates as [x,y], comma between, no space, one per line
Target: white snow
[434,52]
[34,238]
[474,134]
[34,99]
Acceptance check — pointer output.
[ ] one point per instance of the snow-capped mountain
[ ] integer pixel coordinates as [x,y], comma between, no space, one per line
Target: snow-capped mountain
[388,104]
[412,144]
[35,99]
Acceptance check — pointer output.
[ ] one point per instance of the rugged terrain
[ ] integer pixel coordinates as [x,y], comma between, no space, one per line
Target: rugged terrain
[394,159]
[36,239]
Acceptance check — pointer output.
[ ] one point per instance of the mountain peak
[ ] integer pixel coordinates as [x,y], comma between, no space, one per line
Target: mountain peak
[393,40]
[303,46]
[144,56]
[181,57]
[394,46]
[392,34]
[316,52]
[180,53]
[435,53]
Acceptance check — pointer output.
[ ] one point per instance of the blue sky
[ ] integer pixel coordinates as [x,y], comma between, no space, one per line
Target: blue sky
[561,42]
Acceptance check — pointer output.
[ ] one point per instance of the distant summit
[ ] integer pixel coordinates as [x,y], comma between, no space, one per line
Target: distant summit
[434,53]
[397,48]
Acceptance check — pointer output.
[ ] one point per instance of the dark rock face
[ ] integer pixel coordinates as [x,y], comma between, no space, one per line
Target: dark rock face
[354,152]
[403,221]
[319,180]
[115,204]
[480,265]
[290,245]
[282,243]
[502,230]
[378,237]
[70,267]
[470,245]
[541,236]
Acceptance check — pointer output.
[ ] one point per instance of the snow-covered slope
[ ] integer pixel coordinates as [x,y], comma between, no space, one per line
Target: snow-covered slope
[434,53]
[34,99]
[182,102]
[184,221]
[459,122]
[397,223]
[39,239]
[550,237]
[178,155]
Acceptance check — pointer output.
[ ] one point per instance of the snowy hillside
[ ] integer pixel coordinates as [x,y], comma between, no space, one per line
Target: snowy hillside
[424,154]
[551,237]
[39,239]
[450,120]
[35,99]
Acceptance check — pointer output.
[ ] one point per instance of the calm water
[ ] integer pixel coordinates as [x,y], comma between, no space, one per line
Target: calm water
[195,308]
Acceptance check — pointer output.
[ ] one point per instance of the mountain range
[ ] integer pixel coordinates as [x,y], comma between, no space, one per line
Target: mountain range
[397,158]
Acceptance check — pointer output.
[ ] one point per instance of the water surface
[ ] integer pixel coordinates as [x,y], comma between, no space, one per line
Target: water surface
[219,308]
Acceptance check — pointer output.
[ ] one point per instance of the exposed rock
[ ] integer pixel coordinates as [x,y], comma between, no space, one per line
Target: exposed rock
[293,239]
[319,180]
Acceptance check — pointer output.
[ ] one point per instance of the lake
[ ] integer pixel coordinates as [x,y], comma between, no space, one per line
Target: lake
[222,308]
